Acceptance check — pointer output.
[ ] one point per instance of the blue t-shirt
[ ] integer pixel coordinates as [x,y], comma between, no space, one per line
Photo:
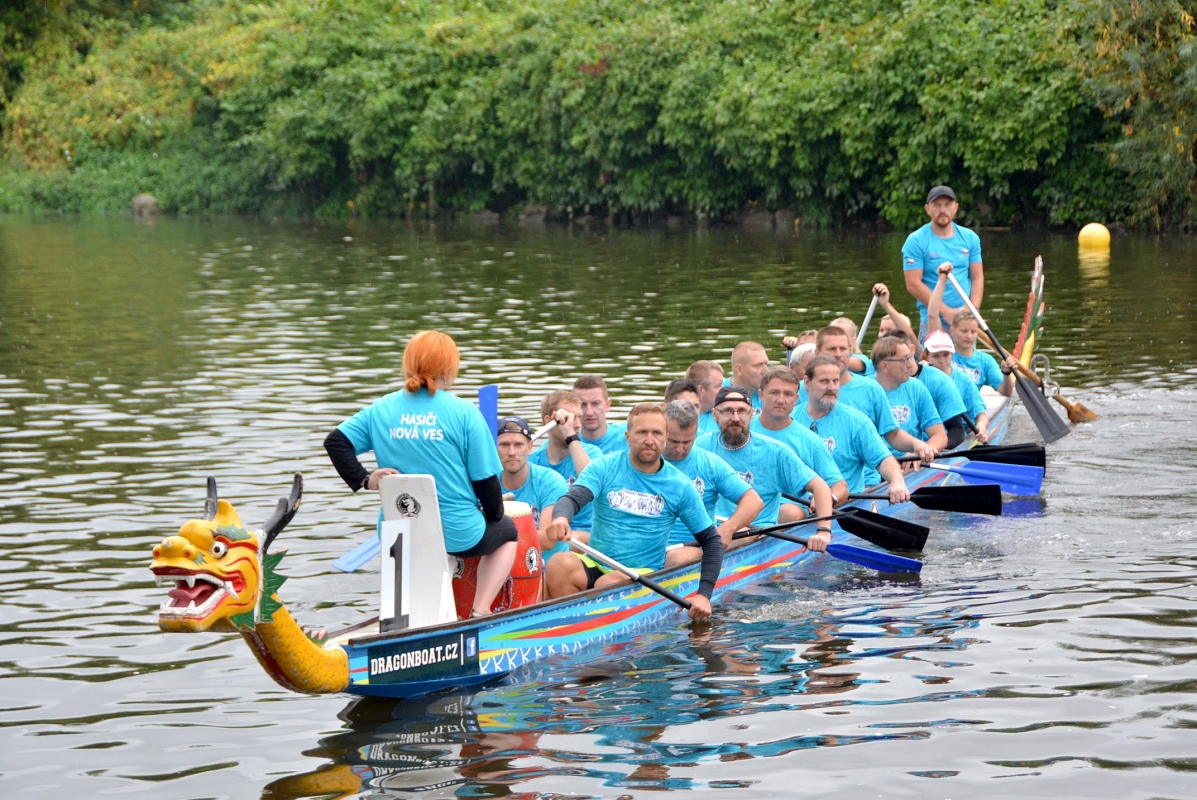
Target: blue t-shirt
[948,401]
[913,409]
[866,396]
[809,448]
[543,488]
[869,370]
[974,404]
[851,439]
[565,468]
[634,512]
[756,396]
[707,423]
[980,367]
[925,251]
[766,465]
[712,478]
[439,435]
[612,441]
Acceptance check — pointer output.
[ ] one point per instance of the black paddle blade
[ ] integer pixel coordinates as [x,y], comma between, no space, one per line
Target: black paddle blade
[1050,426]
[1026,455]
[883,531]
[985,498]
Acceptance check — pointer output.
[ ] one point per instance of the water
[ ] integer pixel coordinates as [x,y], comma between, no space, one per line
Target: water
[1045,653]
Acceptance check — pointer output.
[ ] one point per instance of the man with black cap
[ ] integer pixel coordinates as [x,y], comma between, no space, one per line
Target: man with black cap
[938,241]
[765,464]
[539,487]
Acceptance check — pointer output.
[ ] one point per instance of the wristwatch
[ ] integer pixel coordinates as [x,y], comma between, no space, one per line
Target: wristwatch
[366,481]
[823,528]
[571,439]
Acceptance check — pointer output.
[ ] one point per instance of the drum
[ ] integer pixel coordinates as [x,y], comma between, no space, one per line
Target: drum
[523,586]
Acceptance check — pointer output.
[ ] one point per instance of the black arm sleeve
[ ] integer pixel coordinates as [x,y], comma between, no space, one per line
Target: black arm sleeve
[572,502]
[340,452]
[490,494]
[955,429]
[712,560]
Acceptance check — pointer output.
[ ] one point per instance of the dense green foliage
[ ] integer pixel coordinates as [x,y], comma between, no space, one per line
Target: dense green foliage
[838,111]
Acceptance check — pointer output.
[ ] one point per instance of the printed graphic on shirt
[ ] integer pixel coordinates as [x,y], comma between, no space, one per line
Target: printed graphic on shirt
[418,426]
[641,504]
[901,414]
[973,374]
[745,476]
[830,442]
[700,485]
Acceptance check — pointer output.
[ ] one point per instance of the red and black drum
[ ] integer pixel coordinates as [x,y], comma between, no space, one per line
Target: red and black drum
[523,586]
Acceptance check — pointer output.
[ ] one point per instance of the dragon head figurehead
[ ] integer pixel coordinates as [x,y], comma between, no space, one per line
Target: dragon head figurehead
[223,578]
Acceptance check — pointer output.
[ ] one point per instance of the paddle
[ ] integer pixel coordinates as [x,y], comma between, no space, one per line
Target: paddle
[488,404]
[864,326]
[878,529]
[873,559]
[1050,426]
[631,573]
[1027,454]
[1014,479]
[364,552]
[966,499]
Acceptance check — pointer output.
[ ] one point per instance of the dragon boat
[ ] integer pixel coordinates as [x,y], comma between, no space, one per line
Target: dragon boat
[224,579]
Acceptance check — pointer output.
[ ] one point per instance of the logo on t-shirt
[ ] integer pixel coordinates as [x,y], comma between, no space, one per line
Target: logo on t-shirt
[641,504]
[973,374]
[699,484]
[830,442]
[745,476]
[901,414]
[910,261]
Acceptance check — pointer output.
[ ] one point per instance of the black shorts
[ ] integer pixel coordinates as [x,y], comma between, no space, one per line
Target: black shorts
[592,575]
[495,536]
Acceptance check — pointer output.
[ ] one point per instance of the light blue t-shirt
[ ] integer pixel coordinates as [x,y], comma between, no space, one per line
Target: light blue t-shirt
[439,435]
[766,465]
[707,423]
[869,370]
[543,488]
[809,448]
[634,512]
[974,404]
[913,409]
[980,367]
[866,396]
[612,441]
[756,396]
[925,251]
[948,401]
[565,468]
[851,439]
[712,478]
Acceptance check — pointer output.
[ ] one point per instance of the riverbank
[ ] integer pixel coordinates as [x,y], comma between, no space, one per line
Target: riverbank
[611,110]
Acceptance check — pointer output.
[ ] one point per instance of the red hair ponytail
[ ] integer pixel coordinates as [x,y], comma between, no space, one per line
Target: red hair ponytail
[428,356]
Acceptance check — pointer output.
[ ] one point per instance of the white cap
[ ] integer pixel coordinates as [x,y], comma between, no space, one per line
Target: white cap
[939,342]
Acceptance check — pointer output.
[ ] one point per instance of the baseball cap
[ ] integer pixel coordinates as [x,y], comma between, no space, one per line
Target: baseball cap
[940,191]
[732,393]
[939,342]
[515,425]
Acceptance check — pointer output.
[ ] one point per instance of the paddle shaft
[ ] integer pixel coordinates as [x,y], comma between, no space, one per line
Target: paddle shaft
[864,326]
[631,573]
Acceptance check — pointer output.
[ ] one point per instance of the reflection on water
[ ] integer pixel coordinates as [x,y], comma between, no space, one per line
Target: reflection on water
[1045,652]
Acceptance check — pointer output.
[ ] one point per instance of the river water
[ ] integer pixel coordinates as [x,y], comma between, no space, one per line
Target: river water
[1048,652]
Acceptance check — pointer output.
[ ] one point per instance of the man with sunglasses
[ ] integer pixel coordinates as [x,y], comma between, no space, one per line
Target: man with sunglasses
[848,434]
[909,401]
[765,464]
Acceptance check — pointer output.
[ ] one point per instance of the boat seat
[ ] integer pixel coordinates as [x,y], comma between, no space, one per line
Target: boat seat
[416,573]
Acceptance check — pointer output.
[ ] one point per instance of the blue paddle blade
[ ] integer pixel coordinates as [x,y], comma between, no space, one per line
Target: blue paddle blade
[874,559]
[355,558]
[488,404]
[1016,479]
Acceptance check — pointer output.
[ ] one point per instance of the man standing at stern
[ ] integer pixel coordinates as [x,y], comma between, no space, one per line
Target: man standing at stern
[938,241]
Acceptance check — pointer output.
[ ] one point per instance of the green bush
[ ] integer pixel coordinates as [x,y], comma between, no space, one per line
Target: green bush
[838,111]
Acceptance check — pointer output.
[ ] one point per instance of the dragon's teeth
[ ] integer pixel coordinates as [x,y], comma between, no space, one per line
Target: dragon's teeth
[228,587]
[191,606]
[190,581]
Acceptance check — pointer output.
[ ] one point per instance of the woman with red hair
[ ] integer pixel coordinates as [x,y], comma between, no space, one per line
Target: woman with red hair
[424,429]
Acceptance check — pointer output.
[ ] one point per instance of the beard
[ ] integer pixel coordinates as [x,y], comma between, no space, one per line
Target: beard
[734,436]
[826,404]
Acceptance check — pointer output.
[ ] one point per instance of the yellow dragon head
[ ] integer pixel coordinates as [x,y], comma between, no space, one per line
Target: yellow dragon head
[223,578]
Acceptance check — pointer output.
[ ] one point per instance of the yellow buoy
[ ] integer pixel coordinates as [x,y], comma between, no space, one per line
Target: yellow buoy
[1094,235]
